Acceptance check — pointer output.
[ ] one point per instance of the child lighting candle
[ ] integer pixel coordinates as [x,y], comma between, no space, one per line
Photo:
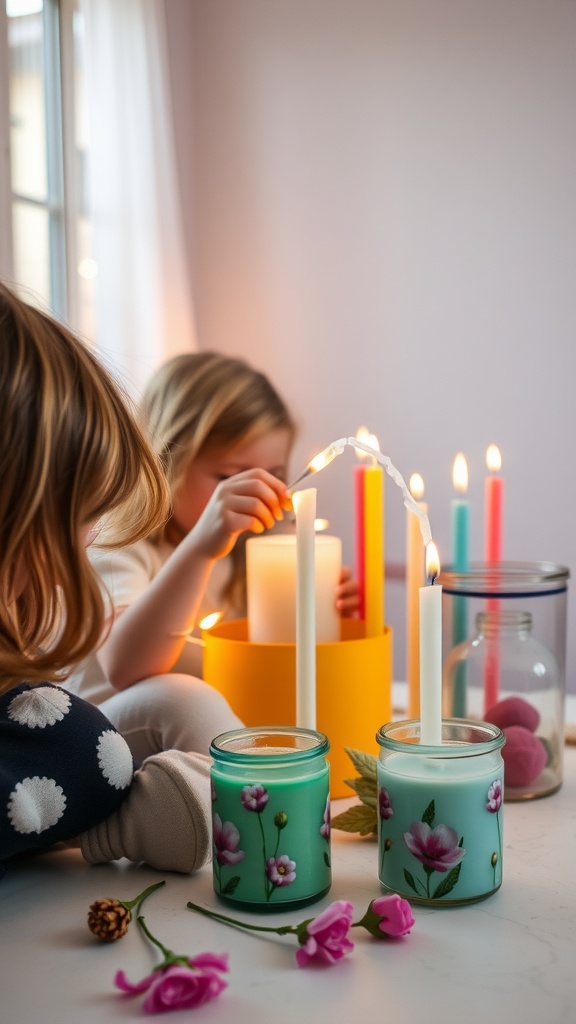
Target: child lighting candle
[494,500]
[304,504]
[431,653]
[414,580]
[460,559]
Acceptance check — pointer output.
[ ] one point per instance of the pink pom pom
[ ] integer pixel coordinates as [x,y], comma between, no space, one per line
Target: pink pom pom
[524,756]
[513,711]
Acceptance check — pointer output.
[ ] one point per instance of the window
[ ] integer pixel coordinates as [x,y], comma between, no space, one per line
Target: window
[48,236]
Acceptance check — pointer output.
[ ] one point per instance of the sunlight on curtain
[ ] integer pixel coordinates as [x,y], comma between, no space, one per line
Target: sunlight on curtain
[144,310]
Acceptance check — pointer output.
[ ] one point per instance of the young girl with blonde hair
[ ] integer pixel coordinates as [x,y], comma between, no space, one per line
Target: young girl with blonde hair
[73,461]
[224,436]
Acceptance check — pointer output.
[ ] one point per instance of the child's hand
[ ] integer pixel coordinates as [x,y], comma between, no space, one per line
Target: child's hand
[347,598]
[250,501]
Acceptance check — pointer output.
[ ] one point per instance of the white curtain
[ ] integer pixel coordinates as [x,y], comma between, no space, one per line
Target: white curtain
[144,310]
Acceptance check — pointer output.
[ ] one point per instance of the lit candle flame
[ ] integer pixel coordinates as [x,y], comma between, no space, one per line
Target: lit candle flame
[320,525]
[320,461]
[210,620]
[460,473]
[416,486]
[432,561]
[493,458]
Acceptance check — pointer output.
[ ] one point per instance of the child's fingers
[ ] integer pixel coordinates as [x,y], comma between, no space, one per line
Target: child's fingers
[347,606]
[347,596]
[251,477]
[268,494]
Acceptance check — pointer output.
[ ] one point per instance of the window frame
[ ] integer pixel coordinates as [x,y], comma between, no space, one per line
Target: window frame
[61,202]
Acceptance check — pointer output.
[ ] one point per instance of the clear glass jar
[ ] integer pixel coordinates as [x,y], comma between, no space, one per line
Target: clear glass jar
[440,812]
[514,681]
[270,817]
[519,658]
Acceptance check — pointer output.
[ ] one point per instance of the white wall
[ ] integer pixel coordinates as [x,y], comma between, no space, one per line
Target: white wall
[382,215]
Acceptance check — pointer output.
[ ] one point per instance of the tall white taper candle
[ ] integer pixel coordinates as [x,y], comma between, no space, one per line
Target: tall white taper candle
[304,503]
[431,654]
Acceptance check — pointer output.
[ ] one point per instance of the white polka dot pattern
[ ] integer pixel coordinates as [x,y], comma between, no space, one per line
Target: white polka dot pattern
[115,759]
[39,707]
[35,805]
[64,768]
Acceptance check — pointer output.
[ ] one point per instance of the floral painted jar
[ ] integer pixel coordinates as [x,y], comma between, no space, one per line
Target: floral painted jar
[440,812]
[270,817]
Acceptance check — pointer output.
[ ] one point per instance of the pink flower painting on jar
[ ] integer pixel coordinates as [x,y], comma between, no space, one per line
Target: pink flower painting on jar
[439,850]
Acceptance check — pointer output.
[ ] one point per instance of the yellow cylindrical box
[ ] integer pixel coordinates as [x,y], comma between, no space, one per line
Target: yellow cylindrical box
[353,686]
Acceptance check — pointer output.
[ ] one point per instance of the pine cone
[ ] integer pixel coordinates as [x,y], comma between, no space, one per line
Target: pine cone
[108,919]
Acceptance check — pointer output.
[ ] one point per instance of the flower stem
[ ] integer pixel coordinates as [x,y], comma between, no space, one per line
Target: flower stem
[129,904]
[282,930]
[169,956]
[165,952]
[266,887]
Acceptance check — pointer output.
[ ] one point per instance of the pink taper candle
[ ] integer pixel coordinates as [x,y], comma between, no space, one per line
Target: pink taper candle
[494,504]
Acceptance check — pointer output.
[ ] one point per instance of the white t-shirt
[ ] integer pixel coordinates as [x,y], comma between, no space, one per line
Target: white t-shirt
[126,574]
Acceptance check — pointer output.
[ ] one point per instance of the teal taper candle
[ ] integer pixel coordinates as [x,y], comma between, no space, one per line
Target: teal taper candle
[461,563]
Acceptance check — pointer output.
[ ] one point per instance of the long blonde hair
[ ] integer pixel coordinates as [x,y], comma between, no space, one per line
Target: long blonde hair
[71,454]
[205,398]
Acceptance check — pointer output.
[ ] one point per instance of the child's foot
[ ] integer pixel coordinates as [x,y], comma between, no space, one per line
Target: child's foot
[164,820]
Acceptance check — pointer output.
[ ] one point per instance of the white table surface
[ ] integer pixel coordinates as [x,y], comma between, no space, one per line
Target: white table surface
[510,957]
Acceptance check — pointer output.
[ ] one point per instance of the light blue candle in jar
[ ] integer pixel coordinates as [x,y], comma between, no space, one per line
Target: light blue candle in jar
[270,817]
[440,812]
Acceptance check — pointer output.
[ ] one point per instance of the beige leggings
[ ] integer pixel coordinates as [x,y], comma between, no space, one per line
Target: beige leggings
[169,712]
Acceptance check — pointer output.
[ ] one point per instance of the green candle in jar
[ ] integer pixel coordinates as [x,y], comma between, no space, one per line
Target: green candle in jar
[270,817]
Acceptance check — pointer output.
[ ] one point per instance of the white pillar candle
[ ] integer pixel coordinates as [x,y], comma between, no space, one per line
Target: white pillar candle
[304,504]
[271,583]
[431,654]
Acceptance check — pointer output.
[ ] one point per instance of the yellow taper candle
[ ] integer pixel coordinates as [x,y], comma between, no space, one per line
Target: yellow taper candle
[374,548]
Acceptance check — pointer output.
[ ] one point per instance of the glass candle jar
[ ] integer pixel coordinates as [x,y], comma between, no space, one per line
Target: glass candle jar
[440,812]
[270,817]
[530,701]
[511,668]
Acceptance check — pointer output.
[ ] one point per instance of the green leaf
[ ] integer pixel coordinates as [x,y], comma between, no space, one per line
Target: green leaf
[410,880]
[428,816]
[231,885]
[448,884]
[365,764]
[367,790]
[357,819]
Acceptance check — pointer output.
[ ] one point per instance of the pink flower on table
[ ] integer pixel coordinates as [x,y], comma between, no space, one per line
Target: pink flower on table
[325,826]
[254,798]
[395,915]
[387,916]
[226,838]
[325,937]
[495,795]
[281,870]
[436,848]
[384,804]
[179,986]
